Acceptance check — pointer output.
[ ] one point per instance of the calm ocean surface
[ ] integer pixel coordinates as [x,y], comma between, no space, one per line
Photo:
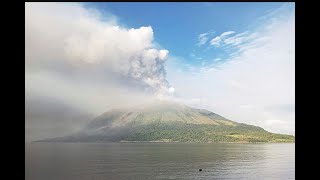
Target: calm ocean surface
[95,161]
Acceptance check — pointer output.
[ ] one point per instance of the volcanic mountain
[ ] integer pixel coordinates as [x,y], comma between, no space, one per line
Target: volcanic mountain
[168,122]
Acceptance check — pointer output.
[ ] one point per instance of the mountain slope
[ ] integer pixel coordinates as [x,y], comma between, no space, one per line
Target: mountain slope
[169,122]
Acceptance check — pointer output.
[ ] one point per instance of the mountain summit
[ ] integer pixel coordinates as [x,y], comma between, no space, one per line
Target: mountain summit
[168,122]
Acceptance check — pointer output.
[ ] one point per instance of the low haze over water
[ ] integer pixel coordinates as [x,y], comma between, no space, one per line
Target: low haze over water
[95,161]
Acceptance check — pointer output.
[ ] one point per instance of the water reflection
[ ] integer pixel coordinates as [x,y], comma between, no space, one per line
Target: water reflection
[159,161]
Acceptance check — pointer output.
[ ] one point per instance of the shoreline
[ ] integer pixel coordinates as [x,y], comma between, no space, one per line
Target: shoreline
[167,142]
[244,142]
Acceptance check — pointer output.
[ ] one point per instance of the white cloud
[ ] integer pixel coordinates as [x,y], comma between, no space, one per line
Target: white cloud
[216,41]
[217,59]
[203,38]
[202,35]
[237,42]
[251,86]
[202,41]
[226,33]
[233,40]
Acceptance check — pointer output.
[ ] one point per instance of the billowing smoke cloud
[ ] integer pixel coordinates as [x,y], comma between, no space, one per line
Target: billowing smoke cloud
[67,35]
[86,63]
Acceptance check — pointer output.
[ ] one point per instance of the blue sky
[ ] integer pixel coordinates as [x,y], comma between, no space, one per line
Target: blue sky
[177,26]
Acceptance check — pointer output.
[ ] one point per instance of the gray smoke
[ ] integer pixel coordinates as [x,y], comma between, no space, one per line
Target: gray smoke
[67,36]
[86,63]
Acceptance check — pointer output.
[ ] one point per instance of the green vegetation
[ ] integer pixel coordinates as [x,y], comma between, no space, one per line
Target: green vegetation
[182,132]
